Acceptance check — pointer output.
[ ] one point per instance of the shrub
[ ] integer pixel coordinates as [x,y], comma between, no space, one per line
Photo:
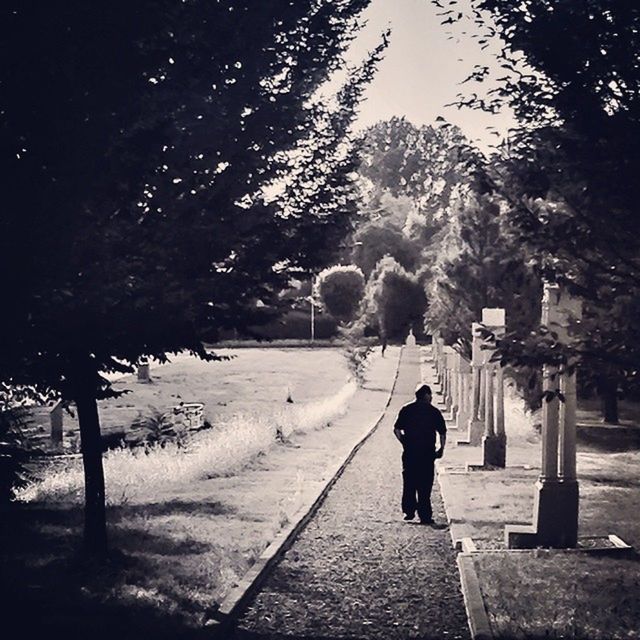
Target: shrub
[341,289]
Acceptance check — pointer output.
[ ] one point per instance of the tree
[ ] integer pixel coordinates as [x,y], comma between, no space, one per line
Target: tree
[412,176]
[482,266]
[341,289]
[396,300]
[570,169]
[137,142]
[374,241]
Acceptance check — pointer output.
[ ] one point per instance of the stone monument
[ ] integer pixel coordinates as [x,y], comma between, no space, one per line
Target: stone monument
[494,440]
[556,496]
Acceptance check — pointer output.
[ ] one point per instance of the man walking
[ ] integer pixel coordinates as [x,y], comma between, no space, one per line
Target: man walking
[416,428]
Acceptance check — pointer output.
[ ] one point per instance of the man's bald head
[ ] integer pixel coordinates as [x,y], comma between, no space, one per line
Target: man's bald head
[423,392]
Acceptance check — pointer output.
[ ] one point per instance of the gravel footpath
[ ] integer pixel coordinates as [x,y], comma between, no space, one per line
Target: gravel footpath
[357,570]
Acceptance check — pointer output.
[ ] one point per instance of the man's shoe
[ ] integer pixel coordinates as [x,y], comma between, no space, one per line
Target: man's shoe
[409,516]
[429,521]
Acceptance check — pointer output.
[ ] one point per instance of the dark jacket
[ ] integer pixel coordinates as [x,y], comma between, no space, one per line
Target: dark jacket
[420,421]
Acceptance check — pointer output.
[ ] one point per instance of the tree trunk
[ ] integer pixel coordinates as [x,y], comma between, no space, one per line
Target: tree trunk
[95,522]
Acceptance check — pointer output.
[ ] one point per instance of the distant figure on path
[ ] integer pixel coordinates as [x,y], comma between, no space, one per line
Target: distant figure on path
[416,428]
[384,345]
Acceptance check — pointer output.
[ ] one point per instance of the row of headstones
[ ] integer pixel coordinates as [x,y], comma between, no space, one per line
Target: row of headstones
[473,395]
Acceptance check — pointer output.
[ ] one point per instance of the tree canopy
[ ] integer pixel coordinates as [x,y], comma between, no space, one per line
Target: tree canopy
[167,165]
[571,75]
[483,267]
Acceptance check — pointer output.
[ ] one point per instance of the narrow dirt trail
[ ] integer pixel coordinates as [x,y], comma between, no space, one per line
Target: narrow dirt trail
[357,570]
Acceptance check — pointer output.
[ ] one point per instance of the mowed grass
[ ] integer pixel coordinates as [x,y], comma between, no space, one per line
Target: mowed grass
[186,526]
[252,381]
[555,595]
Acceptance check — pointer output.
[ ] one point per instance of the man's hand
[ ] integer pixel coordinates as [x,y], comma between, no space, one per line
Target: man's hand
[439,452]
[399,434]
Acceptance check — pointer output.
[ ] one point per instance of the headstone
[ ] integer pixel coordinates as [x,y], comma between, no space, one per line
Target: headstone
[56,418]
[143,371]
[411,339]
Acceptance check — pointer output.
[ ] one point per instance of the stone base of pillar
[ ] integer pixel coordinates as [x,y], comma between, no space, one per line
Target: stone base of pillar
[555,518]
[462,420]
[494,450]
[475,431]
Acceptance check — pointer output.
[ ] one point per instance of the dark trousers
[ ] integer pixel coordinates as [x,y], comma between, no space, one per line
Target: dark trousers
[417,482]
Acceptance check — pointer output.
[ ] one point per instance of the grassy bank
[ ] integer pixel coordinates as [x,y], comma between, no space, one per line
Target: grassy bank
[223,450]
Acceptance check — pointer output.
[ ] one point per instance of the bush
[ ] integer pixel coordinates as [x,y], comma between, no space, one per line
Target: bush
[341,289]
[395,300]
[15,452]
[157,428]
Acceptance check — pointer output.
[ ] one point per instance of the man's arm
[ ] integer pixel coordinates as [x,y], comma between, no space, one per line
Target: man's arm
[398,428]
[443,441]
[442,432]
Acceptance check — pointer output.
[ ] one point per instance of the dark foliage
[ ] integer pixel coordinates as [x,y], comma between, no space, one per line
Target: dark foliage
[136,142]
[571,167]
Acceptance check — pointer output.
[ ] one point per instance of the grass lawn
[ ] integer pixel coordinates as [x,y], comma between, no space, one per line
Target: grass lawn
[548,594]
[252,381]
[182,545]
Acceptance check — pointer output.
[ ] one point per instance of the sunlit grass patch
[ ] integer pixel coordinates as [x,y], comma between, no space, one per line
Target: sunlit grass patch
[223,450]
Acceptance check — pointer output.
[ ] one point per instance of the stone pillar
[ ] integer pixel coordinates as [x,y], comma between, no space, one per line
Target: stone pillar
[437,355]
[550,423]
[464,398]
[483,396]
[453,392]
[556,494]
[450,392]
[500,401]
[494,443]
[448,378]
[476,386]
[489,429]
[568,422]
[474,424]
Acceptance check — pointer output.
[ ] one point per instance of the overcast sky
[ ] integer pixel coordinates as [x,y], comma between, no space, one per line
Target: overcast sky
[422,69]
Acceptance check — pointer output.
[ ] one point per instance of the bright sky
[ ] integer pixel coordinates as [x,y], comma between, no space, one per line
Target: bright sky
[423,69]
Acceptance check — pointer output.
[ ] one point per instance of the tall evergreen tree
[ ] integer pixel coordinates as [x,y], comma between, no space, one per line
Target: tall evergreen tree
[395,300]
[483,266]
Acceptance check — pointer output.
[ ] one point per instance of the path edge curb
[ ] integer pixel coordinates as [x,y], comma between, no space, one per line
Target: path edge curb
[251,582]
[477,618]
